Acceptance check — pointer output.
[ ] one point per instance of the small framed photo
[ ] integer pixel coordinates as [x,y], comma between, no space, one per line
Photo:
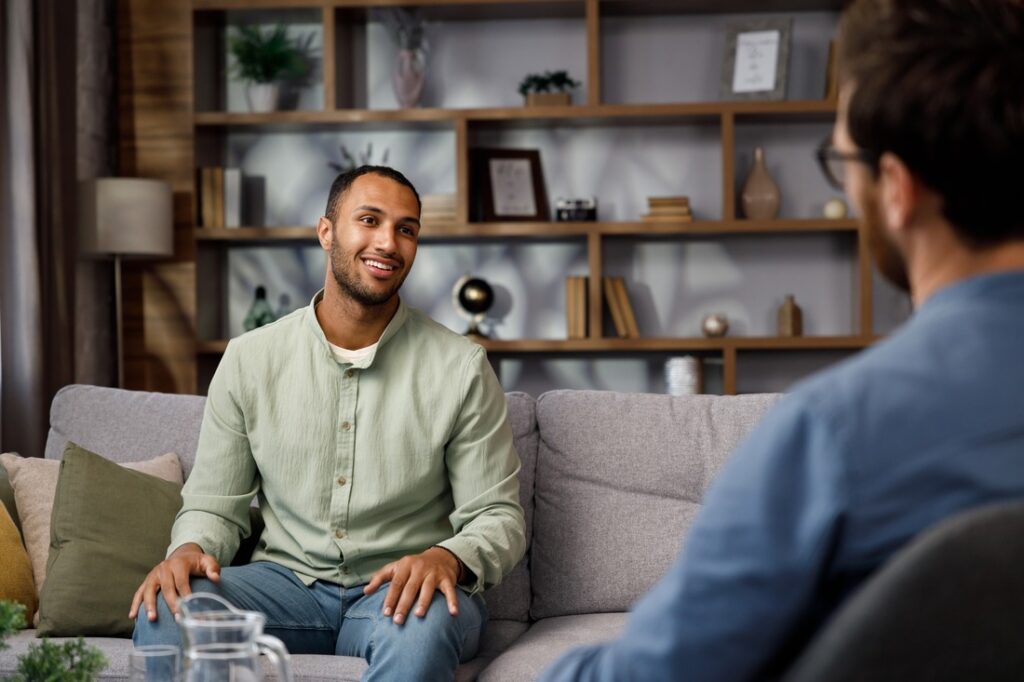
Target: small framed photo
[756,59]
[508,185]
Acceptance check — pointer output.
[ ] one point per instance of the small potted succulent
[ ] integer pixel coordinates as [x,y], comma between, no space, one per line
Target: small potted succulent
[551,88]
[263,59]
[70,661]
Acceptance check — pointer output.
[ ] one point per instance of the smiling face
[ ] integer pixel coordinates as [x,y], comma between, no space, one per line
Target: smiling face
[372,241]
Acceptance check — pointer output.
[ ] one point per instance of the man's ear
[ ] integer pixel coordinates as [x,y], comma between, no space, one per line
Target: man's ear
[898,192]
[325,233]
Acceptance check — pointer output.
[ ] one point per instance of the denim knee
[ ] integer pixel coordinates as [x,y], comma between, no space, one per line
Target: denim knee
[164,630]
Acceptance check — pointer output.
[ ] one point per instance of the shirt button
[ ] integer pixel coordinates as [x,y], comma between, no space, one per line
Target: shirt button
[350,373]
[344,569]
[342,480]
[338,533]
[345,426]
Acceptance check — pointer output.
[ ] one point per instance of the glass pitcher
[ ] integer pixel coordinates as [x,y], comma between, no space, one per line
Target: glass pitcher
[222,643]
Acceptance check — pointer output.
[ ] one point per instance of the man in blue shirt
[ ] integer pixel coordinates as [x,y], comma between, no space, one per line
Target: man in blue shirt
[928,143]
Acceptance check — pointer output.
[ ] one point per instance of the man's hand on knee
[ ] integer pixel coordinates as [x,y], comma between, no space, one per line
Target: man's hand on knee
[415,579]
[171,576]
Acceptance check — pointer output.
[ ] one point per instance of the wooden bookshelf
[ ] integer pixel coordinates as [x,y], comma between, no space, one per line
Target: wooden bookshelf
[178,104]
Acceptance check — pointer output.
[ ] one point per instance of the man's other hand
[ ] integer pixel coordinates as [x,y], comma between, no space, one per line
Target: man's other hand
[172,577]
[415,579]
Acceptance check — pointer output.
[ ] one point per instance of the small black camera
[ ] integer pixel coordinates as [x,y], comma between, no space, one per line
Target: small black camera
[576,210]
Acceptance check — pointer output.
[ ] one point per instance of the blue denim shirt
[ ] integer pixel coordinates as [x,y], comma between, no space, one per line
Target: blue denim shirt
[849,467]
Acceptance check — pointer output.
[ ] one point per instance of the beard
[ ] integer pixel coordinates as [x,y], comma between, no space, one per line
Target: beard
[883,250]
[343,269]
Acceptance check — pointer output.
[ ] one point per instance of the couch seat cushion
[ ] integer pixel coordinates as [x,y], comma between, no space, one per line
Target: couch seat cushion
[547,640]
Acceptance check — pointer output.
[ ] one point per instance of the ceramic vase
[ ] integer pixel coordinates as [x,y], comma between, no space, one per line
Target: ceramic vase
[263,97]
[760,197]
[791,318]
[408,77]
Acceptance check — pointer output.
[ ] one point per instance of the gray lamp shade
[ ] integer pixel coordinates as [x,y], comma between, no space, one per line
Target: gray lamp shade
[126,217]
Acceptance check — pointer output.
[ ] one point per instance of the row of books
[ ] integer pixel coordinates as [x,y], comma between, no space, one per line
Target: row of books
[616,298]
[219,193]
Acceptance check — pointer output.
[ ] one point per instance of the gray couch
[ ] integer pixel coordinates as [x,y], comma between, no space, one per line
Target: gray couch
[610,482]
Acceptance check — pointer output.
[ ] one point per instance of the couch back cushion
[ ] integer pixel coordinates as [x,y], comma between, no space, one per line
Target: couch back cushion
[620,478]
[125,426]
[511,599]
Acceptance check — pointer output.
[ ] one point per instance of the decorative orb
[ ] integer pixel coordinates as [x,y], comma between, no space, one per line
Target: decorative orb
[715,325]
[475,296]
[835,209]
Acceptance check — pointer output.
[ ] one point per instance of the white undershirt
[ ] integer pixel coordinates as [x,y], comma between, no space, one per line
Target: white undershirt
[354,357]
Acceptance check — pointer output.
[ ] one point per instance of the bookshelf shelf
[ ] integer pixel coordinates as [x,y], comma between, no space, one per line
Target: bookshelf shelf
[549,230]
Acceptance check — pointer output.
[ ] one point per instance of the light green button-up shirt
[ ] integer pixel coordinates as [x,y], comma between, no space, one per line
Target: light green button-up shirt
[356,465]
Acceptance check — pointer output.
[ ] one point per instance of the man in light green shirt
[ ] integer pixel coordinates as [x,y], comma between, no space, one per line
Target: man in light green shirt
[378,445]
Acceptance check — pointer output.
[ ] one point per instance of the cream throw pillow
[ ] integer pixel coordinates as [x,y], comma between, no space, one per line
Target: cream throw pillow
[35,483]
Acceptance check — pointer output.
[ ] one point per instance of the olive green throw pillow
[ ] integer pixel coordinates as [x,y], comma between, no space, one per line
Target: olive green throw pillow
[110,526]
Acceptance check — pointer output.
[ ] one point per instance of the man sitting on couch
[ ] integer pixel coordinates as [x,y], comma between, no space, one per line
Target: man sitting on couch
[378,443]
[852,465]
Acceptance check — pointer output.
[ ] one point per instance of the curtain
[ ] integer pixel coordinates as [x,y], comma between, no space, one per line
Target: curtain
[37,226]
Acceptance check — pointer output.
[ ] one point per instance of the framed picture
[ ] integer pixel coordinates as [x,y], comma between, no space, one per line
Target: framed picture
[507,185]
[756,59]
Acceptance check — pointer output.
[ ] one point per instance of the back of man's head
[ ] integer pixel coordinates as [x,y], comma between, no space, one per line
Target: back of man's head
[940,84]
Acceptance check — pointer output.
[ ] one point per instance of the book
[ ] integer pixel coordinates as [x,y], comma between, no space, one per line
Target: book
[581,302]
[570,307]
[232,197]
[611,299]
[218,196]
[628,315]
[206,197]
[668,201]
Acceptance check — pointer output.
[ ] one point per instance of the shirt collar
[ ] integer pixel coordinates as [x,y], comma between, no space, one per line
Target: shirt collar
[1001,285]
[396,323]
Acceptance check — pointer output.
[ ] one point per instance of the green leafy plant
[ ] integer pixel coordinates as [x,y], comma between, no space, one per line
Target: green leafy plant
[264,57]
[73,661]
[12,619]
[549,81]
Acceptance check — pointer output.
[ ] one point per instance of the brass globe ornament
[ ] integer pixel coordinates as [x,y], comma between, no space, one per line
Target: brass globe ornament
[473,297]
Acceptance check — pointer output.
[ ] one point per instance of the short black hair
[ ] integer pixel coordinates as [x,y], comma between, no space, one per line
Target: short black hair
[940,84]
[345,180]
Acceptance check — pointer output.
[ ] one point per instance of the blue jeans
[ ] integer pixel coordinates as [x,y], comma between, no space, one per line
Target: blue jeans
[325,618]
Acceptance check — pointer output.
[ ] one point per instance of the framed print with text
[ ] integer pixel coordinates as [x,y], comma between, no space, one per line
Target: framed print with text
[508,185]
[756,59]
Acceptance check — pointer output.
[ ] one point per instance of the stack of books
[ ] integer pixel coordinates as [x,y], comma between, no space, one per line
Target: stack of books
[619,306]
[220,197]
[576,307]
[668,210]
[437,209]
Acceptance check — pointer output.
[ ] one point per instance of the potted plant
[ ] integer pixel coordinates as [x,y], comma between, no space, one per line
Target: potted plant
[72,661]
[263,60]
[551,88]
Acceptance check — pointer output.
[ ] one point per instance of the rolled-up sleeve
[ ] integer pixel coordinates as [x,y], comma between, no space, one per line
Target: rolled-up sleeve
[221,486]
[483,467]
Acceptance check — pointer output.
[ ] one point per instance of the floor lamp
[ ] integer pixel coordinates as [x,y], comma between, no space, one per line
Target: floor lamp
[125,218]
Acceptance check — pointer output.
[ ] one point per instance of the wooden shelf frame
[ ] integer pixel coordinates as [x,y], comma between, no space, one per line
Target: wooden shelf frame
[159,103]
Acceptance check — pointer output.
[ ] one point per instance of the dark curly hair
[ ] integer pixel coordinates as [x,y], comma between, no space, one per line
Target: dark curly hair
[940,84]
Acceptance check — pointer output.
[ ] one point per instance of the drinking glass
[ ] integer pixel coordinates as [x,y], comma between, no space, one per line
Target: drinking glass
[155,663]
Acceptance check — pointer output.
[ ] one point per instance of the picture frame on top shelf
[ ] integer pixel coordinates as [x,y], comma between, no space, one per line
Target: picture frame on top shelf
[508,185]
[756,62]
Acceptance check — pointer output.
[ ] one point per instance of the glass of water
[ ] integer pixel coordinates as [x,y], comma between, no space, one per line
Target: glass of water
[155,663]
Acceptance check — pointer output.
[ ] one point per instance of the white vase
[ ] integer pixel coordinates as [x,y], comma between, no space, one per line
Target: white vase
[263,97]
[408,77]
